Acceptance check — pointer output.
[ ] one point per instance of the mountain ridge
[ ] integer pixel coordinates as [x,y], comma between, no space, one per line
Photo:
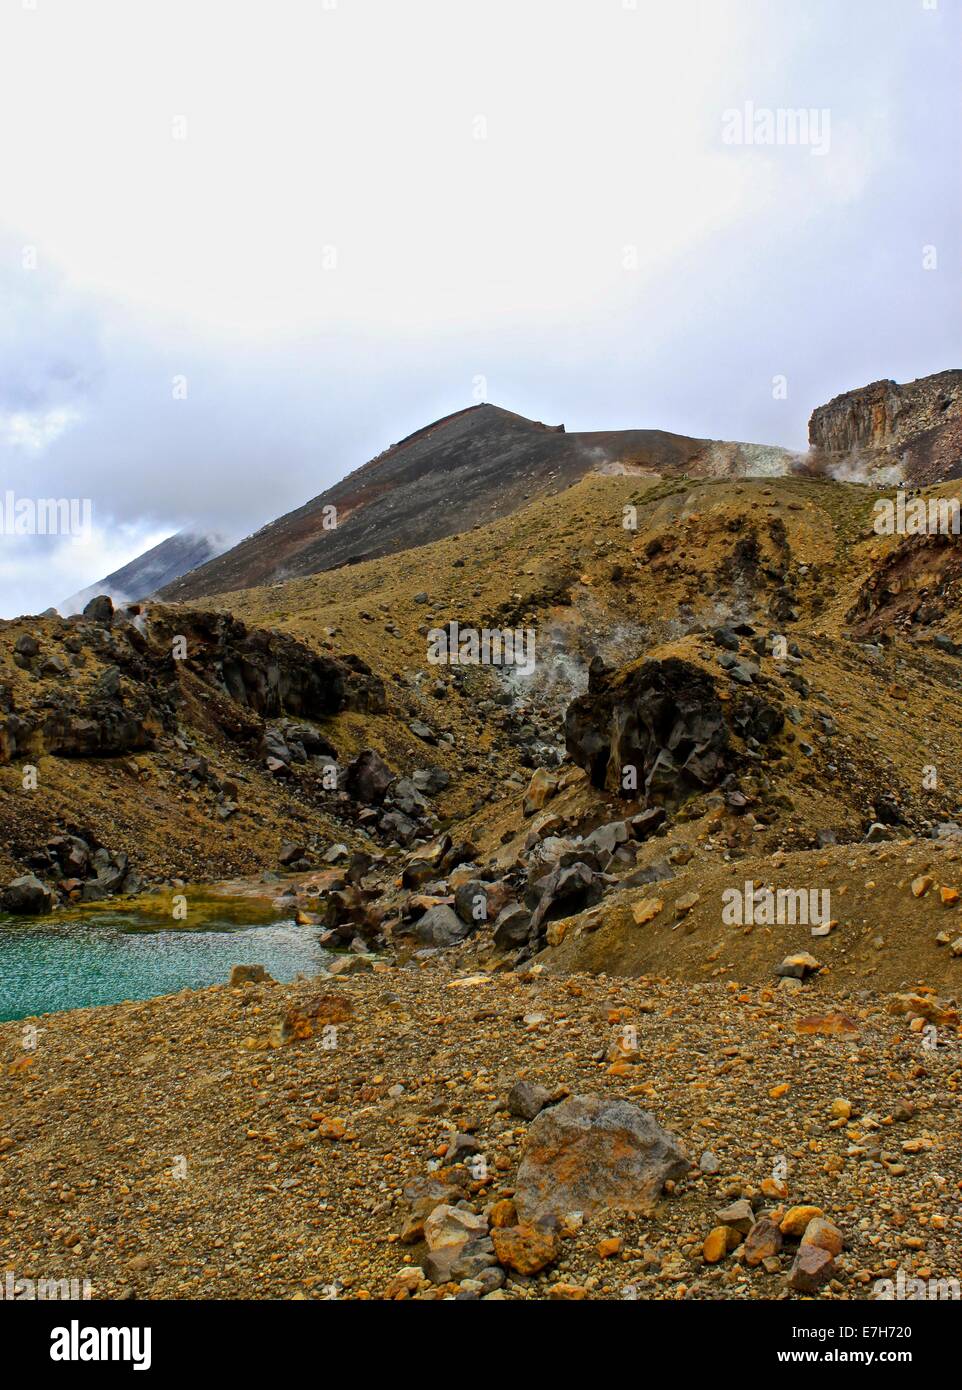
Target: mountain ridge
[496,461]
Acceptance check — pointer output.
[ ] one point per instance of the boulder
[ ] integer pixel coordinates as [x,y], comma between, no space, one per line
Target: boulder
[26,895]
[606,839]
[26,646]
[594,1153]
[100,610]
[422,731]
[406,797]
[565,892]
[663,718]
[798,966]
[448,1225]
[647,822]
[512,926]
[430,781]
[526,1248]
[450,1264]
[527,1099]
[763,1242]
[368,777]
[813,1267]
[440,926]
[395,825]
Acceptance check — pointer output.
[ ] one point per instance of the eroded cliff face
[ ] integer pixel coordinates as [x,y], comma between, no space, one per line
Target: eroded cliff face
[916,427]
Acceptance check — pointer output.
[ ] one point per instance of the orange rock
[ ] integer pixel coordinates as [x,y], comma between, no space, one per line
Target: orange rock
[715,1247]
[607,1248]
[572,1293]
[332,1129]
[624,1046]
[404,1283]
[525,1248]
[933,1010]
[314,1015]
[646,910]
[541,788]
[796,1220]
[949,896]
[828,1024]
[825,1234]
[503,1214]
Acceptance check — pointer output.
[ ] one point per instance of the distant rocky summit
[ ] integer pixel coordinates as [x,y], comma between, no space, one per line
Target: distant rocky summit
[160,565]
[477,465]
[916,427]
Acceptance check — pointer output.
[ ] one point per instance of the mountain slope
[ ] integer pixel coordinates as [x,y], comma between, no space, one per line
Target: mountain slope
[161,565]
[465,470]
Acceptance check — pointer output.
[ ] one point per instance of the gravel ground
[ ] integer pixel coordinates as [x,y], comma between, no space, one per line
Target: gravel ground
[177,1148]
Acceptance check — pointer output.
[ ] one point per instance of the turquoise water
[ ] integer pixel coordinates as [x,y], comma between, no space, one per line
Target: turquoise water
[104,957]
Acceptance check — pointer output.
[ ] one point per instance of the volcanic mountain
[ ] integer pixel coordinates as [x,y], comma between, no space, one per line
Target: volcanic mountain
[160,565]
[463,471]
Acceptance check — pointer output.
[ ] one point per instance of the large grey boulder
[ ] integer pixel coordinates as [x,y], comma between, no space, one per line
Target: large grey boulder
[440,926]
[594,1153]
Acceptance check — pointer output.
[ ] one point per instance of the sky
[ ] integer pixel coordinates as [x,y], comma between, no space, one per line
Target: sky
[247,244]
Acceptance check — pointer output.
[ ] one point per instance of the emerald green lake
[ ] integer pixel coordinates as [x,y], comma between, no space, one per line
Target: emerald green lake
[103,957]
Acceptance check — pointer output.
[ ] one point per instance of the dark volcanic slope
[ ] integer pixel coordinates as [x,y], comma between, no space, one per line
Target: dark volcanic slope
[160,565]
[468,468]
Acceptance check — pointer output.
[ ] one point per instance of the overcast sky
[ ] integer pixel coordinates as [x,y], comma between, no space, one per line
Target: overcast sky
[246,244]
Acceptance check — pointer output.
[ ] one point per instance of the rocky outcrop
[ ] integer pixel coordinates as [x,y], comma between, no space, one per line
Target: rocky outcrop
[161,664]
[917,426]
[918,583]
[266,671]
[661,719]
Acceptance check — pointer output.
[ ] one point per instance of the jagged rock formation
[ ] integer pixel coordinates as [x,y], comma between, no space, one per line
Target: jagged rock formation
[151,665]
[914,587]
[660,719]
[916,426]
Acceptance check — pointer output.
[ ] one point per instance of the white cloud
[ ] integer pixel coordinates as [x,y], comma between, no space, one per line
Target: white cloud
[354,128]
[129,256]
[38,572]
[35,430]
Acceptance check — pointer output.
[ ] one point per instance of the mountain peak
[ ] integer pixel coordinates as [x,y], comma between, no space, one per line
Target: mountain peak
[461,471]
